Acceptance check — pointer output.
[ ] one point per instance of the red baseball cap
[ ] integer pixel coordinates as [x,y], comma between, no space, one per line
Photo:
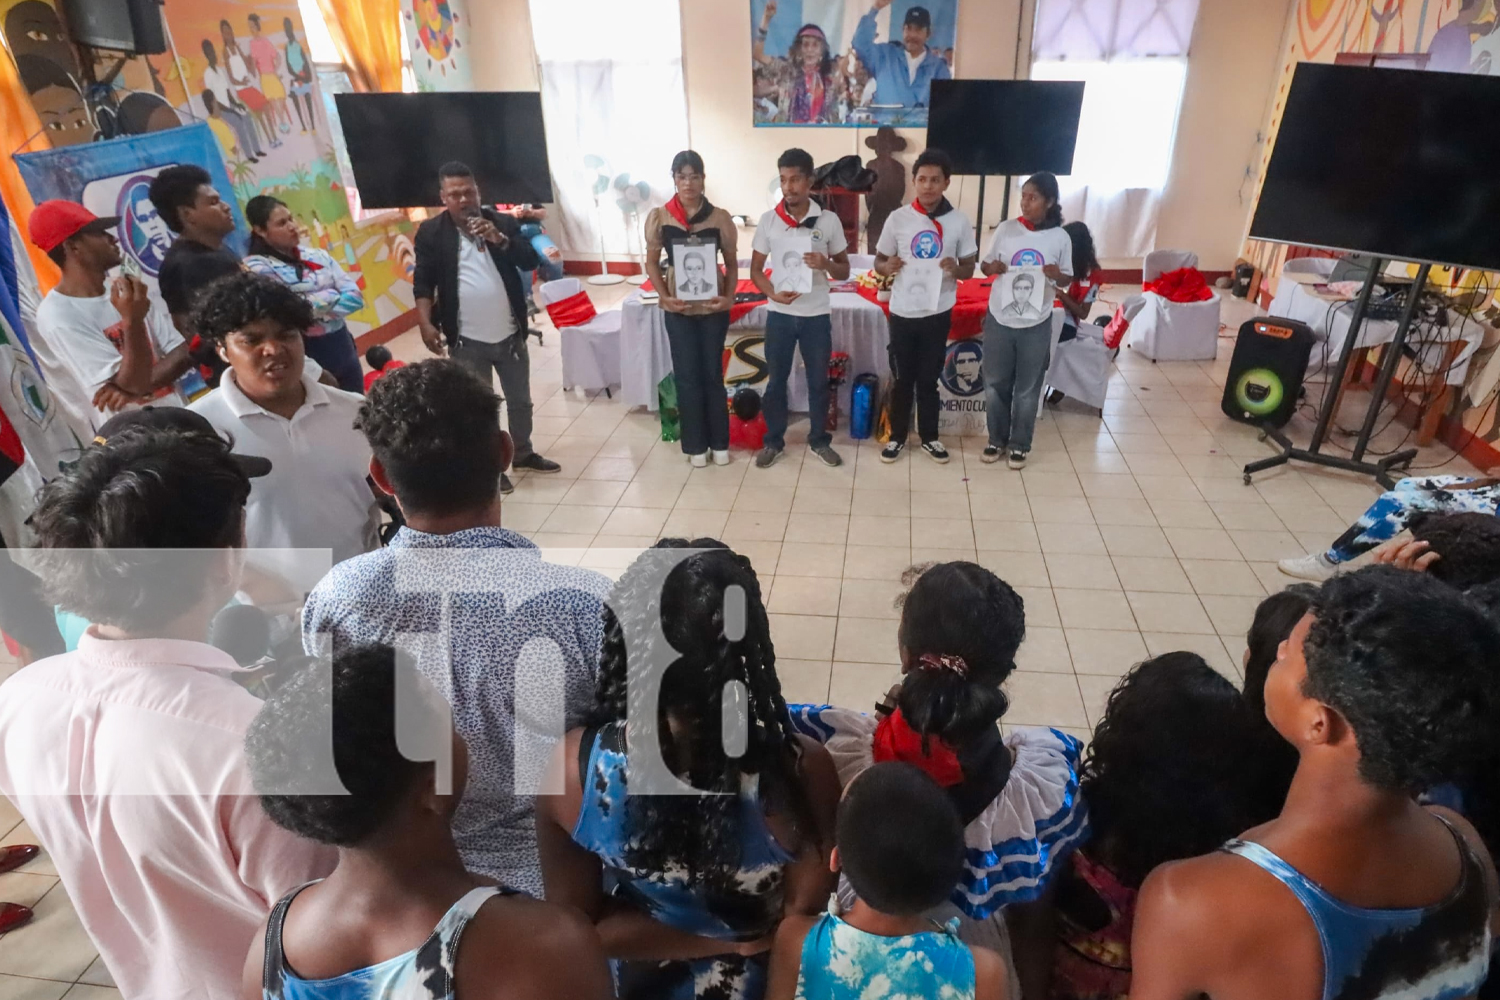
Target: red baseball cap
[54,221]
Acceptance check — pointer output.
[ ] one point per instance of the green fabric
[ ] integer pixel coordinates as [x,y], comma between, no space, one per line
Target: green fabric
[671,422]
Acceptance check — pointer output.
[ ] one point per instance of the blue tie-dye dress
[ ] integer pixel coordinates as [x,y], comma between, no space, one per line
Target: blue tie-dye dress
[747,913]
[840,962]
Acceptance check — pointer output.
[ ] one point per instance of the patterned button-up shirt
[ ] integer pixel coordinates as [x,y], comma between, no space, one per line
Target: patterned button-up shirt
[522,645]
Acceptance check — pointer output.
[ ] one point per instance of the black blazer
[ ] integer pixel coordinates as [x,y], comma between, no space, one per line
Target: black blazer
[436,274]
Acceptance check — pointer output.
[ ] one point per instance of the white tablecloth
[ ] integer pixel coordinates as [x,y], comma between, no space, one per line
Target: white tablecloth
[1330,319]
[859,330]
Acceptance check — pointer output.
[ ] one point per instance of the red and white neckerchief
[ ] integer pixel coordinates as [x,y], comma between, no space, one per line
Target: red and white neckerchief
[808,221]
[1030,226]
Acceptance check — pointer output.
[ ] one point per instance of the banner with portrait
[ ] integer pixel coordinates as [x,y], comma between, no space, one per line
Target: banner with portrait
[114,178]
[849,62]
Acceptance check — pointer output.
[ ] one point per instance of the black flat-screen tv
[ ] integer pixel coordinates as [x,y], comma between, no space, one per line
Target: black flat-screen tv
[1394,163]
[397,142]
[1006,126]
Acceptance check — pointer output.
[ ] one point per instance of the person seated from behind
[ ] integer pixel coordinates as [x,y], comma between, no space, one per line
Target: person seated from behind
[399,916]
[381,363]
[1016,791]
[898,870]
[1462,550]
[1393,512]
[1387,686]
[1172,771]
[1275,617]
[687,889]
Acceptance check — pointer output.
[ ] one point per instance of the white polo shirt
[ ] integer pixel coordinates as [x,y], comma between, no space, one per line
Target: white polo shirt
[827,237]
[910,235]
[315,496]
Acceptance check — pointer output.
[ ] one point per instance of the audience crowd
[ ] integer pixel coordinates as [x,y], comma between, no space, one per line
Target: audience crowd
[474,773]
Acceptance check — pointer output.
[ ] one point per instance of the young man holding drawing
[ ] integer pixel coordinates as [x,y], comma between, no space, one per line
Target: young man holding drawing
[799,319]
[928,245]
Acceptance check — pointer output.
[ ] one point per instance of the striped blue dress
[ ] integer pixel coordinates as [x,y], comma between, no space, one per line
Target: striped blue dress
[1017,842]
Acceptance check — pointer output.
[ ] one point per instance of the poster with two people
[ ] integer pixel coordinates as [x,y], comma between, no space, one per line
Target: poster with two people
[849,62]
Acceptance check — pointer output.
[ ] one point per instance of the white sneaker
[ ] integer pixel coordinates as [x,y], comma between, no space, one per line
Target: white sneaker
[1315,566]
[700,460]
[721,458]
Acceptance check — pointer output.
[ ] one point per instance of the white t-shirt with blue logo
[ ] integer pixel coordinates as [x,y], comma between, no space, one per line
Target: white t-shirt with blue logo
[910,235]
[1018,246]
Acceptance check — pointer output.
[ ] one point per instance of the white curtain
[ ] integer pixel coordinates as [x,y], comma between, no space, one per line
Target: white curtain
[1132,55]
[612,94]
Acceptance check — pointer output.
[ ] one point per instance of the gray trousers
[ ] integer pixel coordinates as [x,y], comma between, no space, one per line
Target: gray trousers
[1015,362]
[512,362]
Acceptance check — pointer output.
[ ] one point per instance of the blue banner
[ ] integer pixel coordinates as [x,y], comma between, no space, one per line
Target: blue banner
[111,178]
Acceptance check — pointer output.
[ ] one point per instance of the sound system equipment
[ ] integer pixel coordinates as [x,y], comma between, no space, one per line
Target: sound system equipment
[130,26]
[1266,371]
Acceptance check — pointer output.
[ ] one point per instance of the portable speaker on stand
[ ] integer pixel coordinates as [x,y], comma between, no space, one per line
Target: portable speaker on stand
[1266,371]
[1265,375]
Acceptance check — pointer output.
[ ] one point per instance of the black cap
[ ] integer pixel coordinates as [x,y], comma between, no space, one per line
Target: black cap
[175,418]
[918,17]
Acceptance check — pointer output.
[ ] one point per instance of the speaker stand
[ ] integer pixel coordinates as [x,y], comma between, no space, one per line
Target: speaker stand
[1313,454]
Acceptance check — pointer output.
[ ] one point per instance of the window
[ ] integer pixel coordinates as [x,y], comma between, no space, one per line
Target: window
[333,78]
[1132,56]
[1129,121]
[319,41]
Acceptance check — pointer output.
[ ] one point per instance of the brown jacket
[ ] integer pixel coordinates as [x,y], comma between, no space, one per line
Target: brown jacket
[662,230]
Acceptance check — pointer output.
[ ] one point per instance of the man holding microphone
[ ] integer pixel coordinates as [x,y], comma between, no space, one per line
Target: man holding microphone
[471,303]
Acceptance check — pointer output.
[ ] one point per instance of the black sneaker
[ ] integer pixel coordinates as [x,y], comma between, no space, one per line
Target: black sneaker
[1054,396]
[936,451]
[506,486]
[990,455]
[536,463]
[891,451]
[1017,460]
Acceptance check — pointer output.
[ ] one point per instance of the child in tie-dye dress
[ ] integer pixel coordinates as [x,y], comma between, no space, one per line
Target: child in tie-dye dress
[883,945]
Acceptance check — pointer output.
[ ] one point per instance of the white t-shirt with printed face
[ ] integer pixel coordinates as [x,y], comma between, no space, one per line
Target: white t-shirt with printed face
[484,312]
[828,238]
[910,235]
[1018,246]
[80,351]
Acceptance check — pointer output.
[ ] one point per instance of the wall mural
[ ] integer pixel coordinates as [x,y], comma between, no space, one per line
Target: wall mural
[438,31]
[243,68]
[1455,36]
[142,98]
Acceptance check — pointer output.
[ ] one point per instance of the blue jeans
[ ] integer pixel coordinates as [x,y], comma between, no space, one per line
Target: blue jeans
[336,353]
[813,336]
[540,242]
[1015,362]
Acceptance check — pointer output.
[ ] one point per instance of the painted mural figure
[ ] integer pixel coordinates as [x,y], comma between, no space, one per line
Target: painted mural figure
[249,94]
[230,110]
[267,63]
[299,68]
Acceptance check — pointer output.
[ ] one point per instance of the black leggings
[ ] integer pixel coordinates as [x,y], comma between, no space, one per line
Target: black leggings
[917,350]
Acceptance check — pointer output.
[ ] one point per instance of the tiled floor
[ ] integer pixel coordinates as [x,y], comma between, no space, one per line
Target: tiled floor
[1128,535]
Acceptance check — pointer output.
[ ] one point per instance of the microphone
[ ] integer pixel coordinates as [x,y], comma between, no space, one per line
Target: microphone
[243,631]
[470,214]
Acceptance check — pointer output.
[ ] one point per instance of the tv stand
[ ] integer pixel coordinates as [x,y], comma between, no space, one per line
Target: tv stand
[1313,453]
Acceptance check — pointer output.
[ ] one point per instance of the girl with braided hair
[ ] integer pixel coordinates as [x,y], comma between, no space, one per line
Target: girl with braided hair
[1016,791]
[686,869]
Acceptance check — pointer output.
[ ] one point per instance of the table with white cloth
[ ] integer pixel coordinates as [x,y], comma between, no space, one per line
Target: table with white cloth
[1330,318]
[859,330]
